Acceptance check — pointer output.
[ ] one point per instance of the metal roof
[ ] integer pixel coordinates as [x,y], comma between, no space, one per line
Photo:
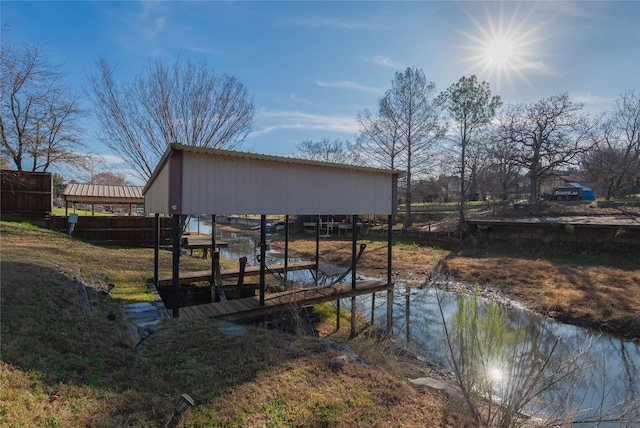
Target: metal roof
[99,193]
[300,161]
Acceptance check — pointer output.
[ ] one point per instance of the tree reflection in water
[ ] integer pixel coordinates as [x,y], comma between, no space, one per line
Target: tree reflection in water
[606,385]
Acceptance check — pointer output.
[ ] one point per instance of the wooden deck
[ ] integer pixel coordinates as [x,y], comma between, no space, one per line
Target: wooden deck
[248,307]
[205,275]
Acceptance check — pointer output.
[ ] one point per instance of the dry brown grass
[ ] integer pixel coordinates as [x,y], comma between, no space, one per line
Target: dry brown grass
[595,289]
[60,368]
[592,295]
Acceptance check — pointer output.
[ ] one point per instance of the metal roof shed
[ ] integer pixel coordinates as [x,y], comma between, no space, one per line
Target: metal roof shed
[192,180]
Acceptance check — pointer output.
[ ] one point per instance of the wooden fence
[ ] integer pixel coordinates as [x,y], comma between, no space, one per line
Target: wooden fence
[118,230]
[26,194]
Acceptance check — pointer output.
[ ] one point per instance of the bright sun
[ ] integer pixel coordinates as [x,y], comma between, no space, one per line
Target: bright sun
[500,52]
[501,47]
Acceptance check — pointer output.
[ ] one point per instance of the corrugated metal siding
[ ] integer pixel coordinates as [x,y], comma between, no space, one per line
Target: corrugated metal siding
[244,185]
[156,200]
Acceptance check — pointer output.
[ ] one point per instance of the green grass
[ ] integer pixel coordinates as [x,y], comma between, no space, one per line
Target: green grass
[60,211]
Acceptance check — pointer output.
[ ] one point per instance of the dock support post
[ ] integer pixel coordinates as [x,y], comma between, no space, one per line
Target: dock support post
[213,232]
[216,279]
[156,251]
[263,255]
[238,289]
[215,261]
[353,274]
[286,248]
[390,291]
[175,302]
[317,247]
[373,308]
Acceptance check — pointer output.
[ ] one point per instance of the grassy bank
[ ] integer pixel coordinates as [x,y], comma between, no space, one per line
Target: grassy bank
[596,289]
[60,368]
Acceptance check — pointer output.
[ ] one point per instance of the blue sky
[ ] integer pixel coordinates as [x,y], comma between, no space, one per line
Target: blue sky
[311,66]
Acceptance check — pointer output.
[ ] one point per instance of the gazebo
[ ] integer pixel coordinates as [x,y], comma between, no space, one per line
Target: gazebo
[192,181]
[102,194]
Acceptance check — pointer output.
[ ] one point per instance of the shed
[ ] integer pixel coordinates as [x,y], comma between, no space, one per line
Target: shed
[247,183]
[103,194]
[192,180]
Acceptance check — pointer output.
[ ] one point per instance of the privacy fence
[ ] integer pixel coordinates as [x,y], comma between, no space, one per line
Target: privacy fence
[117,230]
[26,194]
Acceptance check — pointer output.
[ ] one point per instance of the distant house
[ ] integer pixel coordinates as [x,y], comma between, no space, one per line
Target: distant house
[573,192]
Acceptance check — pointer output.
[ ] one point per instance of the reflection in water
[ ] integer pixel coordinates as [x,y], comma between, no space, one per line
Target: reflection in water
[247,244]
[610,367]
[609,370]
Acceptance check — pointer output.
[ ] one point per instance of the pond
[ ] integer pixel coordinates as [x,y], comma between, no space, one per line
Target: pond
[609,367]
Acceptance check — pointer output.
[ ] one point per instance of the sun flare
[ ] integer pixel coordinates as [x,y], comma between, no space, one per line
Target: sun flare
[502,47]
[500,52]
[495,374]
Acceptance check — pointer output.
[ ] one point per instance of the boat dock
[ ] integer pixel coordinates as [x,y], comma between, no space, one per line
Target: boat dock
[205,275]
[248,307]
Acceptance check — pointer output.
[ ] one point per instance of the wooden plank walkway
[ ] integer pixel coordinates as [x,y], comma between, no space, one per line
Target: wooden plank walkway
[248,307]
[205,275]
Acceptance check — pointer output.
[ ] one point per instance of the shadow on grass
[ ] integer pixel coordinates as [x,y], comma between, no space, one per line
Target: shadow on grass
[45,332]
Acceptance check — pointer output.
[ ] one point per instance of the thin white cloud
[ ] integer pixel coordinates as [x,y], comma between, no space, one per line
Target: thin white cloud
[152,18]
[202,50]
[111,159]
[384,61]
[593,101]
[327,22]
[536,66]
[297,99]
[347,84]
[298,120]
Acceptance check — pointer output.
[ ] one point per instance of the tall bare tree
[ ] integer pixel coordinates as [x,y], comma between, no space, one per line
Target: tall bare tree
[92,164]
[406,129]
[545,135]
[38,113]
[502,167]
[169,103]
[327,150]
[379,139]
[470,107]
[110,179]
[614,163]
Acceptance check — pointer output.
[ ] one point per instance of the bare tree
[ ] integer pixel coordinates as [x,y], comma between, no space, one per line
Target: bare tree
[545,135]
[335,151]
[614,163]
[406,129]
[38,113]
[110,179]
[92,164]
[379,138]
[178,103]
[470,107]
[502,167]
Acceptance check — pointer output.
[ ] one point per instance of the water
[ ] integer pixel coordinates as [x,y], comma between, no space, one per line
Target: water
[246,244]
[609,366]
